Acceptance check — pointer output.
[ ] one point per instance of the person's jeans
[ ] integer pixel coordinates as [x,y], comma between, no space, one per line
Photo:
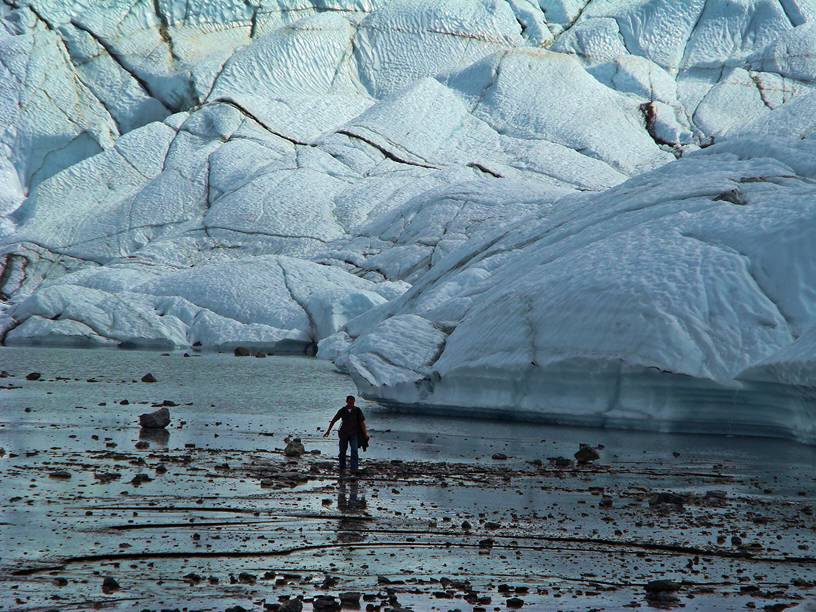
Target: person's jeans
[355,458]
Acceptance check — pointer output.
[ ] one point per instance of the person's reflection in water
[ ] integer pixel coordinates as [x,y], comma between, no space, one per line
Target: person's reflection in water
[351,503]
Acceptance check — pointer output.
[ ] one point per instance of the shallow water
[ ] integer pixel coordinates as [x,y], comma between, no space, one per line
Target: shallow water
[238,410]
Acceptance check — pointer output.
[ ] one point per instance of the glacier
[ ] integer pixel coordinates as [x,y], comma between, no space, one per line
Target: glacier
[587,211]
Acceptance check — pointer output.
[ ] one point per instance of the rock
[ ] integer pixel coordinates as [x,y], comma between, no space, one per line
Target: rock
[329,582]
[192,578]
[560,462]
[247,578]
[236,609]
[285,479]
[499,456]
[294,448]
[716,498]
[606,502]
[33,376]
[586,454]
[148,378]
[291,605]
[662,586]
[325,603]
[667,500]
[109,585]
[140,479]
[60,582]
[155,420]
[515,602]
[350,598]
[242,351]
[142,444]
[260,355]
[60,474]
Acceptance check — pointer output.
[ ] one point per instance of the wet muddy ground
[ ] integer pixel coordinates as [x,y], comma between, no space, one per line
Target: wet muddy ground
[447,513]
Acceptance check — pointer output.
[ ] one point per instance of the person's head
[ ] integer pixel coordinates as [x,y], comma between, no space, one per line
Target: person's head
[349,400]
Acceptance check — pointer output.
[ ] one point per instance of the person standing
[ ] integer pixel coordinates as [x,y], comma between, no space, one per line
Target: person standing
[352,434]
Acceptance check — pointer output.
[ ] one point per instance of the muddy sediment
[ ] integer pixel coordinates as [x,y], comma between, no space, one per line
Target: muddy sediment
[211,514]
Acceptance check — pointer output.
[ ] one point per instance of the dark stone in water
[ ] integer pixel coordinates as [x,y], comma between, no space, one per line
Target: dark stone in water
[242,351]
[662,586]
[294,448]
[561,462]
[586,454]
[148,378]
[291,605]
[350,598]
[325,603]
[33,376]
[329,582]
[667,499]
[109,585]
[155,420]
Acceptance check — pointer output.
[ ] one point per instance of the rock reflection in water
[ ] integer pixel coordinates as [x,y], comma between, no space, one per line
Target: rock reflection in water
[159,437]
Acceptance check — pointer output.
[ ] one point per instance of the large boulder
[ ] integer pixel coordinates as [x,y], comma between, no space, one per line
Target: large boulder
[155,420]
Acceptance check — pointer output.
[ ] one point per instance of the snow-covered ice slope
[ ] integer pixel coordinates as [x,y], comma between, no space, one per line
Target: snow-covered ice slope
[684,298]
[266,172]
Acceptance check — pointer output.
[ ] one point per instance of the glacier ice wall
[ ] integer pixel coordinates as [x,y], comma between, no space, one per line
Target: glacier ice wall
[682,298]
[468,203]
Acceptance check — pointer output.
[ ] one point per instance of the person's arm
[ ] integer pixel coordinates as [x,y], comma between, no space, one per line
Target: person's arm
[331,424]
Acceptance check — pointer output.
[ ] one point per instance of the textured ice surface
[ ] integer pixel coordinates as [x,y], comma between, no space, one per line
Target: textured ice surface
[693,281]
[276,174]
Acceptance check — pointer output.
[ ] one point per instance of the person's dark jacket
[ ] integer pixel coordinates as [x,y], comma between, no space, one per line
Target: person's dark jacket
[353,424]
